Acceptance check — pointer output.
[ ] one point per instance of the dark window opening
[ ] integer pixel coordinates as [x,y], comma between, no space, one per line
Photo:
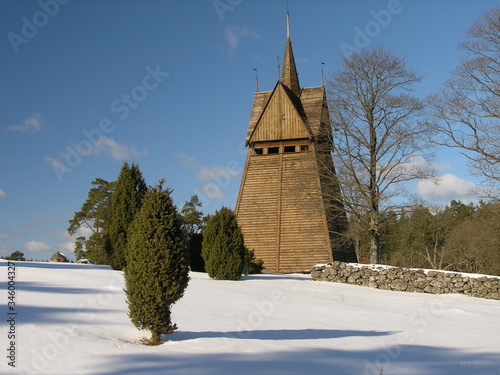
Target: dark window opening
[258,151]
[289,148]
[273,150]
[304,148]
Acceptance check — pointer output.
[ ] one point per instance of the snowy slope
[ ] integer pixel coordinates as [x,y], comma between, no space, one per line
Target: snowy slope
[72,319]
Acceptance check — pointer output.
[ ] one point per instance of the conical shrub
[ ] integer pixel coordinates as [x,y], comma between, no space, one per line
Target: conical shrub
[157,269]
[223,248]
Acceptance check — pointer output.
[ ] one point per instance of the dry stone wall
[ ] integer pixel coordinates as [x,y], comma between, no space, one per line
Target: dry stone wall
[408,280]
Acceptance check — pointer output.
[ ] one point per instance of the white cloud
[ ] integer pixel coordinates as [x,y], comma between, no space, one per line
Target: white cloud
[189,161]
[212,191]
[28,125]
[36,246]
[233,35]
[2,193]
[447,188]
[117,151]
[418,161]
[67,247]
[217,177]
[217,173]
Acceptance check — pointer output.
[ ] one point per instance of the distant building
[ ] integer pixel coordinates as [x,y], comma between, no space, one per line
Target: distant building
[289,205]
[59,257]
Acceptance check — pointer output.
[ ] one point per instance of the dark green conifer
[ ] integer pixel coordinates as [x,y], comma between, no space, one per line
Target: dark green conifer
[223,249]
[157,270]
[125,203]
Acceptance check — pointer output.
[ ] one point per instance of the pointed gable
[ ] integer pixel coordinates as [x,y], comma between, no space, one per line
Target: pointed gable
[282,118]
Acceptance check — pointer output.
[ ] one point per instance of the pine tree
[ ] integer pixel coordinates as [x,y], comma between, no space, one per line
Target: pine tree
[223,249]
[192,217]
[17,255]
[192,224]
[95,215]
[156,274]
[125,203]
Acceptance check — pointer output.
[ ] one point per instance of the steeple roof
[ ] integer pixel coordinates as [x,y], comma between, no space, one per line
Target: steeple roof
[289,77]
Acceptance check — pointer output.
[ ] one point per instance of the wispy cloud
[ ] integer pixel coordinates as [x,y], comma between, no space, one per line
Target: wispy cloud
[116,150]
[216,173]
[189,161]
[106,146]
[2,193]
[29,125]
[36,246]
[234,34]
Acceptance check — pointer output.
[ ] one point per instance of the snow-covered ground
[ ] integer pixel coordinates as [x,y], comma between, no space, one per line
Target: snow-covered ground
[72,319]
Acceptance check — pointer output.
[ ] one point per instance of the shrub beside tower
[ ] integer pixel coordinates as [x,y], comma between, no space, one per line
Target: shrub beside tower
[223,249]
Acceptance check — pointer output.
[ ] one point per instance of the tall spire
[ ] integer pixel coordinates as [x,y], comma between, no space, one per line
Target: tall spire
[289,77]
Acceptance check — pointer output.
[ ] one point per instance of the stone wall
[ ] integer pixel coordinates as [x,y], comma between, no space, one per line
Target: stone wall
[408,280]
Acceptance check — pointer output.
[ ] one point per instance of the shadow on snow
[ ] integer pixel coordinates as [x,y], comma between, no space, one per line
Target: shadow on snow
[278,334]
[396,360]
[47,287]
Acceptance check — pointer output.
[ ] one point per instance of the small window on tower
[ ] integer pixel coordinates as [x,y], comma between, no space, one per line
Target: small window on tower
[258,151]
[304,148]
[289,149]
[273,150]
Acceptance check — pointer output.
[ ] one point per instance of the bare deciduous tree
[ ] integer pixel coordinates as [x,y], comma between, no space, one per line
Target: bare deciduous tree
[466,112]
[379,144]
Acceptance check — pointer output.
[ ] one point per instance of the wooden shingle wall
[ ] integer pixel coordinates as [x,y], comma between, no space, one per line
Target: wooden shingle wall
[257,206]
[280,210]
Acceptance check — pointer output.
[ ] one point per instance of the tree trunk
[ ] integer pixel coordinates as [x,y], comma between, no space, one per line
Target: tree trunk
[374,247]
[155,338]
[374,235]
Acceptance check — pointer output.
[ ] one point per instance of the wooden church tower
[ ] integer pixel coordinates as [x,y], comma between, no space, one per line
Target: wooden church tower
[289,206]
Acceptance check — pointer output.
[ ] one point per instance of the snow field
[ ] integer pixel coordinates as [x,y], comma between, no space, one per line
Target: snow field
[72,319]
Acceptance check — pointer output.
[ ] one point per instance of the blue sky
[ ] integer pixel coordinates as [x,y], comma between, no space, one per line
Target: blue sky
[85,85]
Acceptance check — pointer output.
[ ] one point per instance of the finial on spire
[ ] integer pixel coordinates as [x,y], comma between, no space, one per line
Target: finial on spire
[287,21]
[289,75]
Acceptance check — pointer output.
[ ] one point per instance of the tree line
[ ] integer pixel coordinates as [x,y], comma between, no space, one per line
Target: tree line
[459,237]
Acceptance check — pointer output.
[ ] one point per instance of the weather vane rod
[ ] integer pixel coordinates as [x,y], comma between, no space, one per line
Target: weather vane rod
[256,80]
[322,76]
[279,68]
